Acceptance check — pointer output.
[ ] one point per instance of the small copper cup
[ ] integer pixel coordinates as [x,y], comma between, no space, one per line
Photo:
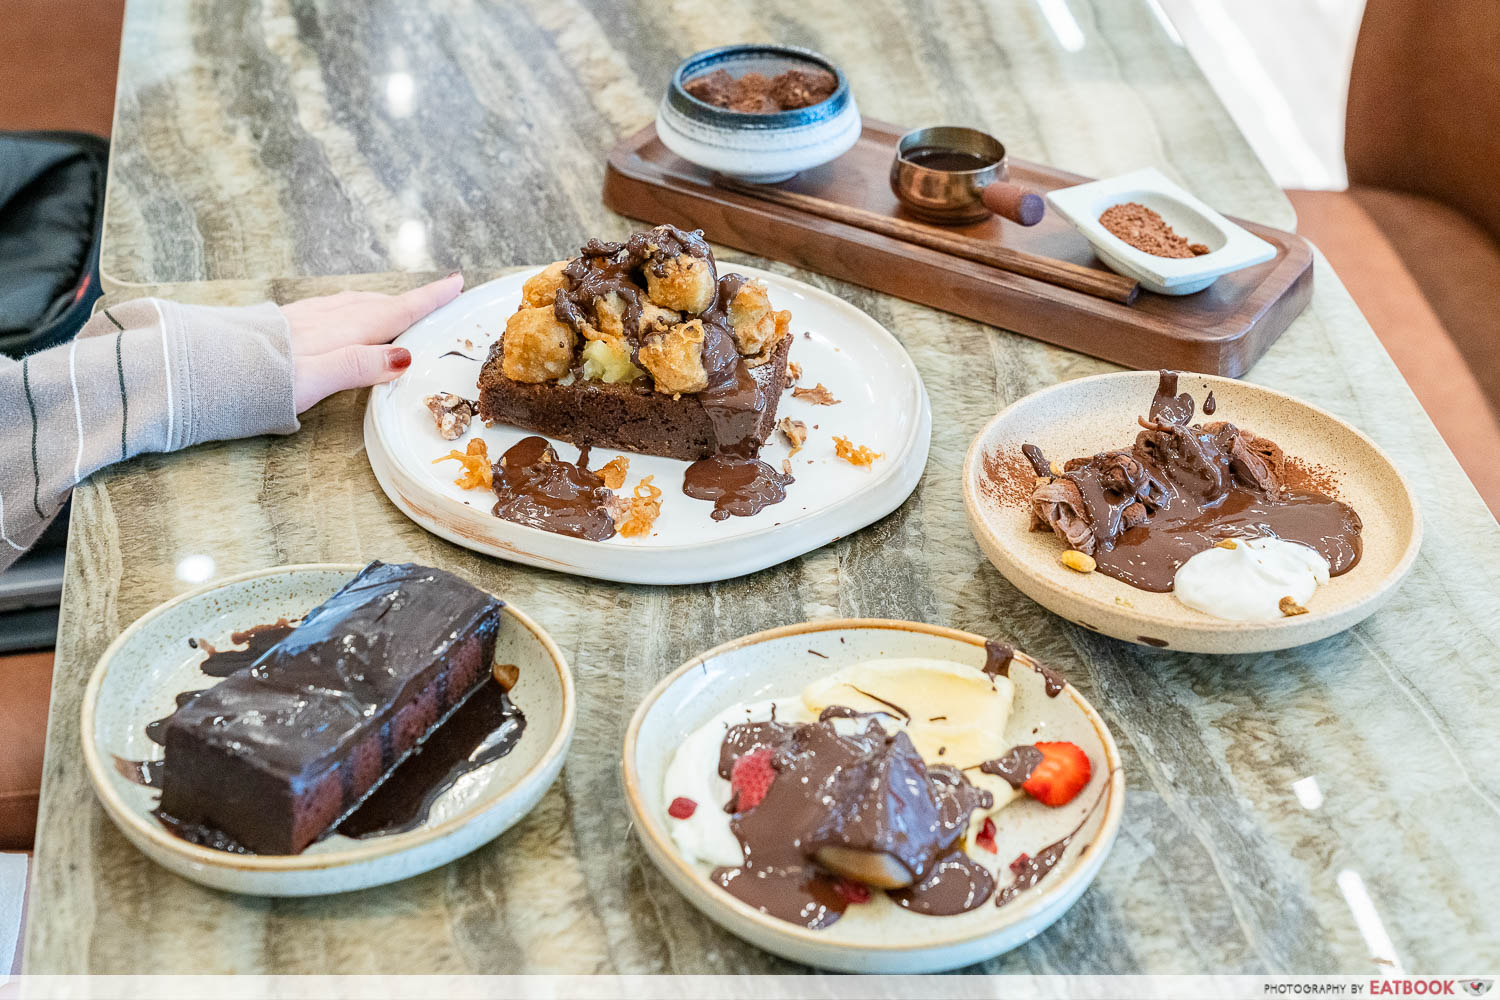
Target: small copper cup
[954,176]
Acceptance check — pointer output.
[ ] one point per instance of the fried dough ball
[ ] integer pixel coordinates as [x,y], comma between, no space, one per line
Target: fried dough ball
[541,289]
[537,347]
[675,358]
[655,319]
[757,328]
[609,319]
[686,283]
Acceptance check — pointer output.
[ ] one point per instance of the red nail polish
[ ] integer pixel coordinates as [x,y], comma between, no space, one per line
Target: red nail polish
[399,358]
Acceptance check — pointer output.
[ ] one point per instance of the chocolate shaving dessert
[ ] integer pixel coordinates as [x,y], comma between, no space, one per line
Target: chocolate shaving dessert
[760,94]
[1182,489]
[360,715]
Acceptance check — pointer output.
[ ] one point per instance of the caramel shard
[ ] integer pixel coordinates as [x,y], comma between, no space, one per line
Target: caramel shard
[452,414]
[1077,561]
[794,372]
[853,454]
[795,431]
[641,510]
[1290,607]
[818,395]
[537,346]
[1225,543]
[541,289]
[478,473]
[613,473]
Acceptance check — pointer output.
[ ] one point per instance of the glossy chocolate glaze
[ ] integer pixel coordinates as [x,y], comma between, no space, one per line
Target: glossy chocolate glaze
[735,486]
[1015,765]
[1182,487]
[536,488]
[484,729]
[997,657]
[255,640]
[884,799]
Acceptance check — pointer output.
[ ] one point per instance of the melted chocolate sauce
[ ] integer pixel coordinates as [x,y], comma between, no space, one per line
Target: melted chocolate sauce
[736,486]
[537,488]
[255,640]
[1209,405]
[1015,765]
[1052,681]
[483,729]
[866,792]
[997,657]
[1183,487]
[142,772]
[1037,866]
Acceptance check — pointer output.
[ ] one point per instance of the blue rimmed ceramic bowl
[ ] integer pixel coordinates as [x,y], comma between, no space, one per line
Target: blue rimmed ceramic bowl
[759,147]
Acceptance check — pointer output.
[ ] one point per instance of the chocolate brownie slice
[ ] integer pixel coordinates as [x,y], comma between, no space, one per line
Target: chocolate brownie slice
[281,750]
[633,416]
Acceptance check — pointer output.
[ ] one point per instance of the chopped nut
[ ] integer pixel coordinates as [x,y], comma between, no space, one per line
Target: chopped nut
[476,462]
[613,473]
[794,372]
[1056,469]
[795,431]
[1290,607]
[452,414]
[641,511]
[818,395]
[853,454]
[786,466]
[1225,543]
[1078,561]
[507,674]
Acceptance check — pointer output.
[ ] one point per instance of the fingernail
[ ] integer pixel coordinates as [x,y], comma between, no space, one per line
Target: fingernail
[399,358]
[454,274]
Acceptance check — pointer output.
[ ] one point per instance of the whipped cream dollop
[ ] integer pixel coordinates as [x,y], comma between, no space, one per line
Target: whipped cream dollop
[953,713]
[1247,582]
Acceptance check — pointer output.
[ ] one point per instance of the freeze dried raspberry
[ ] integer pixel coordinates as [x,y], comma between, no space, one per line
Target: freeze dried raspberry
[986,838]
[682,807]
[851,891]
[750,778]
[1019,866]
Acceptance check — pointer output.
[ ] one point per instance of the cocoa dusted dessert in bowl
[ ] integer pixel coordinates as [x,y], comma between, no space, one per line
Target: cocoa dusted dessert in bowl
[758,113]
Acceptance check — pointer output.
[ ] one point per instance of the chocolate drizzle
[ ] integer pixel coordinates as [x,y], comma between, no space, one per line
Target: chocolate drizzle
[1015,765]
[1143,511]
[997,657]
[538,489]
[1031,869]
[255,640]
[735,486]
[865,793]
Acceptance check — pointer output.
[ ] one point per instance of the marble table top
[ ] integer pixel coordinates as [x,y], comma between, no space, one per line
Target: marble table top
[1331,808]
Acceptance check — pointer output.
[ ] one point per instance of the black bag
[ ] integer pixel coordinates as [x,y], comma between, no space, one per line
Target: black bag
[51,211]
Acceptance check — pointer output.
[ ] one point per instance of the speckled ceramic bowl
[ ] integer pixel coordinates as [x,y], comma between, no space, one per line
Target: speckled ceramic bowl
[879,936]
[1090,415]
[143,670]
[761,148]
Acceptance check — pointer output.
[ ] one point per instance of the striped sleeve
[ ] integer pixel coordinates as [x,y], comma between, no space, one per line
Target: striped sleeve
[143,376]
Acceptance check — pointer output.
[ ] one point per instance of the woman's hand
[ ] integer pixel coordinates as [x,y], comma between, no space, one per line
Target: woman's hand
[340,341]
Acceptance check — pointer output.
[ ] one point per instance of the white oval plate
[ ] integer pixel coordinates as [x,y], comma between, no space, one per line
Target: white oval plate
[883,406]
[1098,413]
[143,670]
[878,936]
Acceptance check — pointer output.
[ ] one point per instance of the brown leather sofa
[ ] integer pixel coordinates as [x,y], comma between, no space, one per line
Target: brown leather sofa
[1416,238]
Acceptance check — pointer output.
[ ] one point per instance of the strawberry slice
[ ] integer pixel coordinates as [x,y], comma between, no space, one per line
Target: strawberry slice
[851,891]
[1060,776]
[750,778]
[986,836]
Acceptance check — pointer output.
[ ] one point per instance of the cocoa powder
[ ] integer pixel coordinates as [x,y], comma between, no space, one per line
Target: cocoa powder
[1145,230]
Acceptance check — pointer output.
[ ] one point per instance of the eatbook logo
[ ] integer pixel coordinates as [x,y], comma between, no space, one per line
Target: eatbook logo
[1477,987]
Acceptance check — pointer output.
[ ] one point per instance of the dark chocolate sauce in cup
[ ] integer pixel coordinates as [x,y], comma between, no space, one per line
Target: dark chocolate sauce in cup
[941,158]
[1181,488]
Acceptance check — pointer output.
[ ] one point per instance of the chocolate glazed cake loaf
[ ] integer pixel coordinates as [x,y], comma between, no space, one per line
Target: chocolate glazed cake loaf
[281,750]
[641,346]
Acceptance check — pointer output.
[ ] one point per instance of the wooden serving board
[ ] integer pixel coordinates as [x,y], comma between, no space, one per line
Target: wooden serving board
[1221,330]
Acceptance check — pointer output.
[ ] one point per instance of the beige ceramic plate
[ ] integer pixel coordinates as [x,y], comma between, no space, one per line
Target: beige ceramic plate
[144,669]
[878,936]
[1099,413]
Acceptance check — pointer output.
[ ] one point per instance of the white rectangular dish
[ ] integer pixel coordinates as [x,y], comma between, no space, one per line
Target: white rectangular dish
[1231,247]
